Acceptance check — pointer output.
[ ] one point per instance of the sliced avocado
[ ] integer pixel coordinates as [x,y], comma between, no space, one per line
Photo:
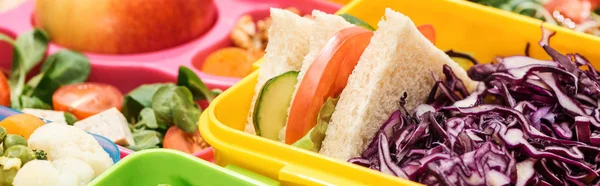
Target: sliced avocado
[274,99]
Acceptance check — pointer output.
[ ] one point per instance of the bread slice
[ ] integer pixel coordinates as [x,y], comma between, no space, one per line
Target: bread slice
[288,44]
[326,25]
[398,59]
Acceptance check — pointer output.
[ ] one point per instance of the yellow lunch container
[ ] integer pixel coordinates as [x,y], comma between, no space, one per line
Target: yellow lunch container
[462,26]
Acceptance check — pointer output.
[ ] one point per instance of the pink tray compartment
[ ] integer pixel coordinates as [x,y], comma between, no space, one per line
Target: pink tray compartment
[129,71]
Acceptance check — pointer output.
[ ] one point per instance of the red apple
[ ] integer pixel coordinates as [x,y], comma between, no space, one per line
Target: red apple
[123,26]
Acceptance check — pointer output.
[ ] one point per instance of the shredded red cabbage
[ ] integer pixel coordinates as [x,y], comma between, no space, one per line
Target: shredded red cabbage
[530,122]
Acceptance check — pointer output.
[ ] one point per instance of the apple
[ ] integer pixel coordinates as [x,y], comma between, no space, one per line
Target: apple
[123,26]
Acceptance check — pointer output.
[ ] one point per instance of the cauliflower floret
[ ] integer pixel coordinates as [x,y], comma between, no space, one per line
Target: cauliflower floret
[63,141]
[37,172]
[62,172]
[72,166]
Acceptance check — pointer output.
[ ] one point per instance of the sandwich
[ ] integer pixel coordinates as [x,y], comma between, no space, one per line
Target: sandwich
[348,82]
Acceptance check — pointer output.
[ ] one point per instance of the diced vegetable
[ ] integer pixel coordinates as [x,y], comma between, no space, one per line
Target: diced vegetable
[8,170]
[20,151]
[13,140]
[40,155]
[21,124]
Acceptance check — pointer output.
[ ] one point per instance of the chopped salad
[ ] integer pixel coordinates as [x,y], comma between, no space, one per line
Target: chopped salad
[150,116]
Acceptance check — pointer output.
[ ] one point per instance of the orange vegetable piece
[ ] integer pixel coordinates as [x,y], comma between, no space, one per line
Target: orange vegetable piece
[428,31]
[231,62]
[21,124]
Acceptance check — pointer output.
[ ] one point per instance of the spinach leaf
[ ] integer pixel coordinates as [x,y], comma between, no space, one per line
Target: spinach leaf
[67,67]
[29,49]
[32,83]
[34,102]
[357,22]
[175,105]
[146,139]
[62,68]
[45,89]
[188,78]
[138,99]
[70,118]
[148,118]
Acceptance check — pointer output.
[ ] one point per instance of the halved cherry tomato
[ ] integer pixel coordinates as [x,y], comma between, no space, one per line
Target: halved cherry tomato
[4,91]
[180,140]
[86,99]
[326,77]
[21,124]
[428,31]
[576,10]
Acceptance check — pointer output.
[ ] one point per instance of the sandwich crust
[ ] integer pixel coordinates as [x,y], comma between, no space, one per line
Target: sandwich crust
[288,44]
[398,59]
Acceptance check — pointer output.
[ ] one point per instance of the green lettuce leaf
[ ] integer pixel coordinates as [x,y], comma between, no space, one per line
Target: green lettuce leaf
[312,140]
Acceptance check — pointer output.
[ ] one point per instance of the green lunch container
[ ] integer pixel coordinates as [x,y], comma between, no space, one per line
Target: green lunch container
[162,167]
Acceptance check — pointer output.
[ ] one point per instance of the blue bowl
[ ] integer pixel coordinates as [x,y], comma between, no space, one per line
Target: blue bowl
[108,146]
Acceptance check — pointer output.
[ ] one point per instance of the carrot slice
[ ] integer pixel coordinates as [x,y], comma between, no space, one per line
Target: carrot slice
[231,62]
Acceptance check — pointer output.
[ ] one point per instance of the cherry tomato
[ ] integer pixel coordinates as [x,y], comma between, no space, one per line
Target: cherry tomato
[180,140]
[86,99]
[576,10]
[428,31]
[4,91]
[21,124]
[326,77]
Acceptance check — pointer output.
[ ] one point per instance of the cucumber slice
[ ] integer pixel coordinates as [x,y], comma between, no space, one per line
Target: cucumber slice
[274,99]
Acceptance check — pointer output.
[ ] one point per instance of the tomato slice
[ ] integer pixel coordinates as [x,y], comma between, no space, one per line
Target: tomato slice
[86,99]
[4,91]
[576,10]
[326,77]
[182,141]
[428,31]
